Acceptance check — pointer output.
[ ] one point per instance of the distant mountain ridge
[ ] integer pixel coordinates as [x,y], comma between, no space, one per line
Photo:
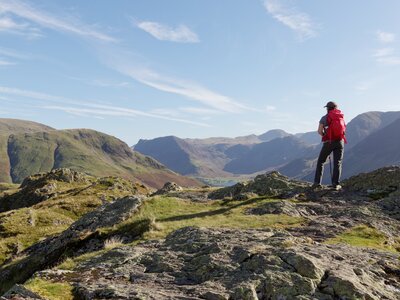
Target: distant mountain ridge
[293,155]
[27,148]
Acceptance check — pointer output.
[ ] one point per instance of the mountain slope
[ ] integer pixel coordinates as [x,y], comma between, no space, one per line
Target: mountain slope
[365,124]
[171,151]
[381,148]
[13,126]
[196,157]
[270,154]
[273,134]
[84,150]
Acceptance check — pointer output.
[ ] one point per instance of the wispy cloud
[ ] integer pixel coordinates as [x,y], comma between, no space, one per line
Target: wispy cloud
[106,110]
[188,89]
[101,82]
[385,37]
[46,20]
[386,56]
[13,54]
[389,60]
[383,52]
[199,111]
[89,107]
[4,62]
[298,21]
[180,34]
[9,25]
[270,108]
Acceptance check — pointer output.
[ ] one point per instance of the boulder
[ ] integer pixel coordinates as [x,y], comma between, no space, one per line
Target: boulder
[167,188]
[271,184]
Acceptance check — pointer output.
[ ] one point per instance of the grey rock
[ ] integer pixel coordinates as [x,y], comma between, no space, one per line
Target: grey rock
[19,292]
[269,184]
[167,188]
[199,263]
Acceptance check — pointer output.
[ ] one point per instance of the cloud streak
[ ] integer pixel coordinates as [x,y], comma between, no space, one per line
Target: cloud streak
[180,34]
[86,107]
[9,25]
[4,62]
[386,55]
[106,110]
[193,91]
[299,22]
[28,12]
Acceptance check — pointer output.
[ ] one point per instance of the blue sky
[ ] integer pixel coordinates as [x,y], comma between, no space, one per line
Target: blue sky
[200,68]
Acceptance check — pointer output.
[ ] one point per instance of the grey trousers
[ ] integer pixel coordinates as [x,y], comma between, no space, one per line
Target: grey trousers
[337,147]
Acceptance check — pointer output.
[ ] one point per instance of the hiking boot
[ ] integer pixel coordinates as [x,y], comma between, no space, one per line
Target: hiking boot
[316,186]
[336,187]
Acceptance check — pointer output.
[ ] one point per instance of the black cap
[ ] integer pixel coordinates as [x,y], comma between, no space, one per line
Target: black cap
[331,104]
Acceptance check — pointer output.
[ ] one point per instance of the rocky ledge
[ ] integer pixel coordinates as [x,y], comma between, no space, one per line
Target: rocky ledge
[199,263]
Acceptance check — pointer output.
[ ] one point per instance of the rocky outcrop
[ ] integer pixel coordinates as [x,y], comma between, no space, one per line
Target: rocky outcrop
[40,187]
[167,188]
[81,236]
[377,184]
[43,186]
[18,292]
[62,175]
[198,263]
[271,184]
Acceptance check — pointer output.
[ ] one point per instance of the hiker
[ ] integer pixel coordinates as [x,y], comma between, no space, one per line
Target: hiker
[332,129]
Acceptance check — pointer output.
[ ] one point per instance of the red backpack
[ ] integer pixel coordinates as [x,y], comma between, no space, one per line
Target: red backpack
[336,126]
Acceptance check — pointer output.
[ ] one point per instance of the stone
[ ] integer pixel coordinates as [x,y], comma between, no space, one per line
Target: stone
[167,188]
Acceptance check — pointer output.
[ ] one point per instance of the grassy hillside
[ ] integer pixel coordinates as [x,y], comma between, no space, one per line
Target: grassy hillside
[12,126]
[66,202]
[27,148]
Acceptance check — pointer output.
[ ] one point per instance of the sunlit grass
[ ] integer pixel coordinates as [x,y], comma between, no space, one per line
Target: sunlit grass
[365,236]
[50,290]
[170,214]
[24,227]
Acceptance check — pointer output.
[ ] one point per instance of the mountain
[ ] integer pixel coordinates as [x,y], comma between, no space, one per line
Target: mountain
[273,134]
[29,152]
[365,124]
[380,148]
[196,157]
[216,157]
[13,126]
[174,154]
[233,158]
[268,155]
[311,138]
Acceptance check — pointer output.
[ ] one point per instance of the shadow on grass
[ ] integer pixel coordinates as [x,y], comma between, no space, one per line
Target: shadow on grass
[219,211]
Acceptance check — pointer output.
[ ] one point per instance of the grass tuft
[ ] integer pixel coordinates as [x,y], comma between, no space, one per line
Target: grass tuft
[112,243]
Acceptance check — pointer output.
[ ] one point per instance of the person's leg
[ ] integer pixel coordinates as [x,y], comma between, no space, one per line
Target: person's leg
[337,161]
[323,155]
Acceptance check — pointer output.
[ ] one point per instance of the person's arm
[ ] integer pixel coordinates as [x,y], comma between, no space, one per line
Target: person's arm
[321,129]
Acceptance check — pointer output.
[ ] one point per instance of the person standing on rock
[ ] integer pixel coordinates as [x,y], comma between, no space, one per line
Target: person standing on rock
[332,129]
